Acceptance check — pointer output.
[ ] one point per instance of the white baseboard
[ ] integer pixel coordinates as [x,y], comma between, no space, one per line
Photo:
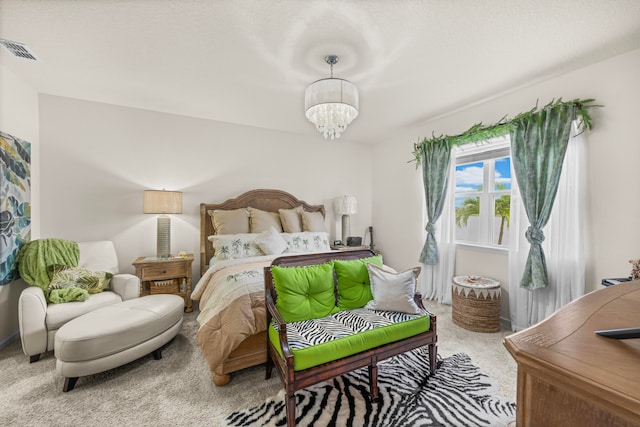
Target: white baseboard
[8,340]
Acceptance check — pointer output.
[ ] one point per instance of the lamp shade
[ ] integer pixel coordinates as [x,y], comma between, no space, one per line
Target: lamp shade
[331,105]
[162,202]
[345,205]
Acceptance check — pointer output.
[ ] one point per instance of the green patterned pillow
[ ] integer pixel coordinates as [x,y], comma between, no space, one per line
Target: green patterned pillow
[66,277]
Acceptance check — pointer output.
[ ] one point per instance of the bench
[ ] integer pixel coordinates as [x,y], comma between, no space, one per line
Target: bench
[326,293]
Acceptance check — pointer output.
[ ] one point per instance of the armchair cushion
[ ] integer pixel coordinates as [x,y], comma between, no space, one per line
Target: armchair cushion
[59,314]
[98,256]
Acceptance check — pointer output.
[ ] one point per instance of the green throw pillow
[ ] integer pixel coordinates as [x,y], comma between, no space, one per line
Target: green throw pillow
[354,288]
[304,292]
[67,277]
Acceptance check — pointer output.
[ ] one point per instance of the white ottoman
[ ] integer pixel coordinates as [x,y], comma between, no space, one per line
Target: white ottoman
[117,334]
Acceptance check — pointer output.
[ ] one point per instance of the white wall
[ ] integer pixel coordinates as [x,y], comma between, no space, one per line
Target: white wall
[19,117]
[613,172]
[97,159]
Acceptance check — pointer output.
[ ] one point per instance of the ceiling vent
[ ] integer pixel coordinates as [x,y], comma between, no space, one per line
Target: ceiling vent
[18,49]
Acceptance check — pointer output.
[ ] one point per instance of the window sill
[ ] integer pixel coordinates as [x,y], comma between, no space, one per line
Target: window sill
[483,248]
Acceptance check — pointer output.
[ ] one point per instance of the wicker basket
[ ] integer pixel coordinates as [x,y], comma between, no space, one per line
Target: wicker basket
[164,286]
[476,303]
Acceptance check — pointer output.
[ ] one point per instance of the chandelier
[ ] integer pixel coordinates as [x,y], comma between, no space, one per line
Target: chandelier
[331,104]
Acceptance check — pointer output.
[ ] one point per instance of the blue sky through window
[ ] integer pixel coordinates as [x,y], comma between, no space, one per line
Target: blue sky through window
[503,173]
[470,177]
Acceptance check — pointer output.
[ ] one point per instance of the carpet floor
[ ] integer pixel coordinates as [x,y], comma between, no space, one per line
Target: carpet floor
[178,391]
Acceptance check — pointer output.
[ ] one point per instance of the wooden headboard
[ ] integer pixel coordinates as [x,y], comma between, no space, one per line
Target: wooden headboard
[266,200]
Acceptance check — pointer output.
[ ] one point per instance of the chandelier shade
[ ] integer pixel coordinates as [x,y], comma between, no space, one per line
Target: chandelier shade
[331,104]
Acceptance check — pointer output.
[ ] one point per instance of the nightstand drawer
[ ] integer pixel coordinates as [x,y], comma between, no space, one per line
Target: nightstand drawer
[163,271]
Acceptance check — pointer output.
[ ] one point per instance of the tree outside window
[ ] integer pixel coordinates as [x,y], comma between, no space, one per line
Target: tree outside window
[482,201]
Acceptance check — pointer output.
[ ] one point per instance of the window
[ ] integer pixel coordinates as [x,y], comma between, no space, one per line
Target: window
[483,194]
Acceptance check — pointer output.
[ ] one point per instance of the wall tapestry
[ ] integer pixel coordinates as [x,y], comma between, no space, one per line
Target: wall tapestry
[15,203]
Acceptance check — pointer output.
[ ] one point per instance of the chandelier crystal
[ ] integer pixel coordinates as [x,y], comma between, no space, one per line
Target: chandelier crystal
[331,104]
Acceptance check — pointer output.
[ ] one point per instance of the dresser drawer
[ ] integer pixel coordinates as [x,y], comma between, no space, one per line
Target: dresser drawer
[163,271]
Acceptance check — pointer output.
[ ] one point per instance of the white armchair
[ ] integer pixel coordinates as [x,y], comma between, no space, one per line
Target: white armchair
[40,321]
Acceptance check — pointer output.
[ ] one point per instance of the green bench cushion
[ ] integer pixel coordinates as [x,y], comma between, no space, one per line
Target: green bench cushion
[354,287]
[317,341]
[304,292]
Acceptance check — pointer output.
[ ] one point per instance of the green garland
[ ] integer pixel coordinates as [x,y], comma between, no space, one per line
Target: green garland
[479,132]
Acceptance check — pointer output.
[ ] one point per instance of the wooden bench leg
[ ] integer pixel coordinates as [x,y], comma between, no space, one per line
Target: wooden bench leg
[373,382]
[268,367]
[69,383]
[290,405]
[433,358]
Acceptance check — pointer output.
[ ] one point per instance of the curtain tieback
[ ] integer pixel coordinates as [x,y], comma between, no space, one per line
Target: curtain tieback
[534,235]
[430,228]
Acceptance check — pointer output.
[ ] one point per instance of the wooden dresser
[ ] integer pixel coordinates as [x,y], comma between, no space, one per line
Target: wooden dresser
[569,376]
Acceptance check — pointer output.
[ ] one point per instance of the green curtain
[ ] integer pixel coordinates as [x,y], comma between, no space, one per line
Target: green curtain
[538,145]
[434,157]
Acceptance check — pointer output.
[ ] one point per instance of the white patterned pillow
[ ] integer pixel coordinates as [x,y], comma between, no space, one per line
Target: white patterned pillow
[231,246]
[307,241]
[271,242]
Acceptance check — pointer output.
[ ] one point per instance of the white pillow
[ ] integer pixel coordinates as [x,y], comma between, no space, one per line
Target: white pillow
[312,221]
[231,246]
[291,219]
[271,242]
[393,291]
[260,220]
[307,241]
[232,221]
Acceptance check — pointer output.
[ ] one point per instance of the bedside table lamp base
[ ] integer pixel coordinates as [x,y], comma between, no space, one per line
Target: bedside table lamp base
[345,206]
[346,228]
[164,236]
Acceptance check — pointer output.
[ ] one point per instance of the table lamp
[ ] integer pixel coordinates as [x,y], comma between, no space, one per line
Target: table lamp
[345,206]
[163,202]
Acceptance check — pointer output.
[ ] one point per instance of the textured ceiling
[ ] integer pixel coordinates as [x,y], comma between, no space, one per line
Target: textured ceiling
[249,61]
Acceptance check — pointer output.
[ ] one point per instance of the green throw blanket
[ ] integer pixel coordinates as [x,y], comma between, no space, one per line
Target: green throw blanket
[57,296]
[36,257]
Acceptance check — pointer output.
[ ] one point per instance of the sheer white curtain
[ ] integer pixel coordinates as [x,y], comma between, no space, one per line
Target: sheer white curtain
[563,245]
[435,280]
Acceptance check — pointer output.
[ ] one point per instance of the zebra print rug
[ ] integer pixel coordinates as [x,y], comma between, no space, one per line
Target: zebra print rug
[459,394]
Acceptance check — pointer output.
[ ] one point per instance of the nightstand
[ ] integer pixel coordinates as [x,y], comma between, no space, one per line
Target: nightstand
[166,276]
[349,248]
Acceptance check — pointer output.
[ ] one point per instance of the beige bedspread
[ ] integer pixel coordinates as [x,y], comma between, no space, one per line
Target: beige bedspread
[232,306]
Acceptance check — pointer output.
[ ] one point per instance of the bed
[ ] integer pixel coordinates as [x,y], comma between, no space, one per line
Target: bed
[230,292]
